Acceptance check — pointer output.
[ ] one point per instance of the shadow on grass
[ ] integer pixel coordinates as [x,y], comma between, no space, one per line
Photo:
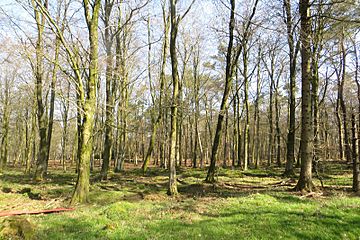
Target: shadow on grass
[288,219]
[131,185]
[52,178]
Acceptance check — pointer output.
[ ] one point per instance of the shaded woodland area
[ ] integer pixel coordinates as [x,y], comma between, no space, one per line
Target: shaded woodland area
[181,114]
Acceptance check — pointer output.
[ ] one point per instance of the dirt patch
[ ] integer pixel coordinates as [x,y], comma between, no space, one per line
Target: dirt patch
[156,197]
[133,197]
[197,190]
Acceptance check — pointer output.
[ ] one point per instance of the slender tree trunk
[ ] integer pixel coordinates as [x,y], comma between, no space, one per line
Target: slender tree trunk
[172,190]
[342,101]
[226,139]
[52,100]
[305,179]
[110,91]
[162,85]
[234,137]
[197,106]
[5,126]
[66,107]
[246,103]
[256,138]
[239,136]
[293,51]
[224,103]
[316,51]
[81,192]
[277,125]
[123,143]
[270,117]
[355,155]
[29,140]
[340,128]
[39,74]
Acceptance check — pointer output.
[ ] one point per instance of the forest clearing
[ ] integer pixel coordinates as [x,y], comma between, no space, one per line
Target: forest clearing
[179,119]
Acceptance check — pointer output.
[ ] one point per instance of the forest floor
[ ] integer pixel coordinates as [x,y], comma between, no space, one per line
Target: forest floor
[256,204]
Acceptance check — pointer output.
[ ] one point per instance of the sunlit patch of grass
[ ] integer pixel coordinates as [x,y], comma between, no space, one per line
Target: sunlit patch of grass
[339,180]
[241,205]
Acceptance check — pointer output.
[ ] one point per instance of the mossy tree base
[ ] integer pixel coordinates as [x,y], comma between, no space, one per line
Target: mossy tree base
[172,191]
[210,178]
[81,193]
[305,186]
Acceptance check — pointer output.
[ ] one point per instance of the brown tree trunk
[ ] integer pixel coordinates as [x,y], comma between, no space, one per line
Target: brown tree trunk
[110,91]
[228,82]
[355,155]
[342,101]
[81,192]
[39,75]
[172,188]
[305,179]
[293,51]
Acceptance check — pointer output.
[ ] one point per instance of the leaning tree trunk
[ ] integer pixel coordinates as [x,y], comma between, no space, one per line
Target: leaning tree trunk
[224,103]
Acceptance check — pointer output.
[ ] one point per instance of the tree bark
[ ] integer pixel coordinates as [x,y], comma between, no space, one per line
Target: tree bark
[172,188]
[162,86]
[293,51]
[5,125]
[197,107]
[110,91]
[342,101]
[246,103]
[81,192]
[305,180]
[355,155]
[39,75]
[228,82]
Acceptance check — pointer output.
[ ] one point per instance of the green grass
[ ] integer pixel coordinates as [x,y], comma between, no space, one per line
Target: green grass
[249,205]
[256,216]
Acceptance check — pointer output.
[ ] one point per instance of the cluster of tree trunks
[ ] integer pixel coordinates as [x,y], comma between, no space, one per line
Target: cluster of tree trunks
[184,125]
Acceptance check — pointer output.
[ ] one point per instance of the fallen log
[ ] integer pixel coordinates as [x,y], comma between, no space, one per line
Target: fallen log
[32,212]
